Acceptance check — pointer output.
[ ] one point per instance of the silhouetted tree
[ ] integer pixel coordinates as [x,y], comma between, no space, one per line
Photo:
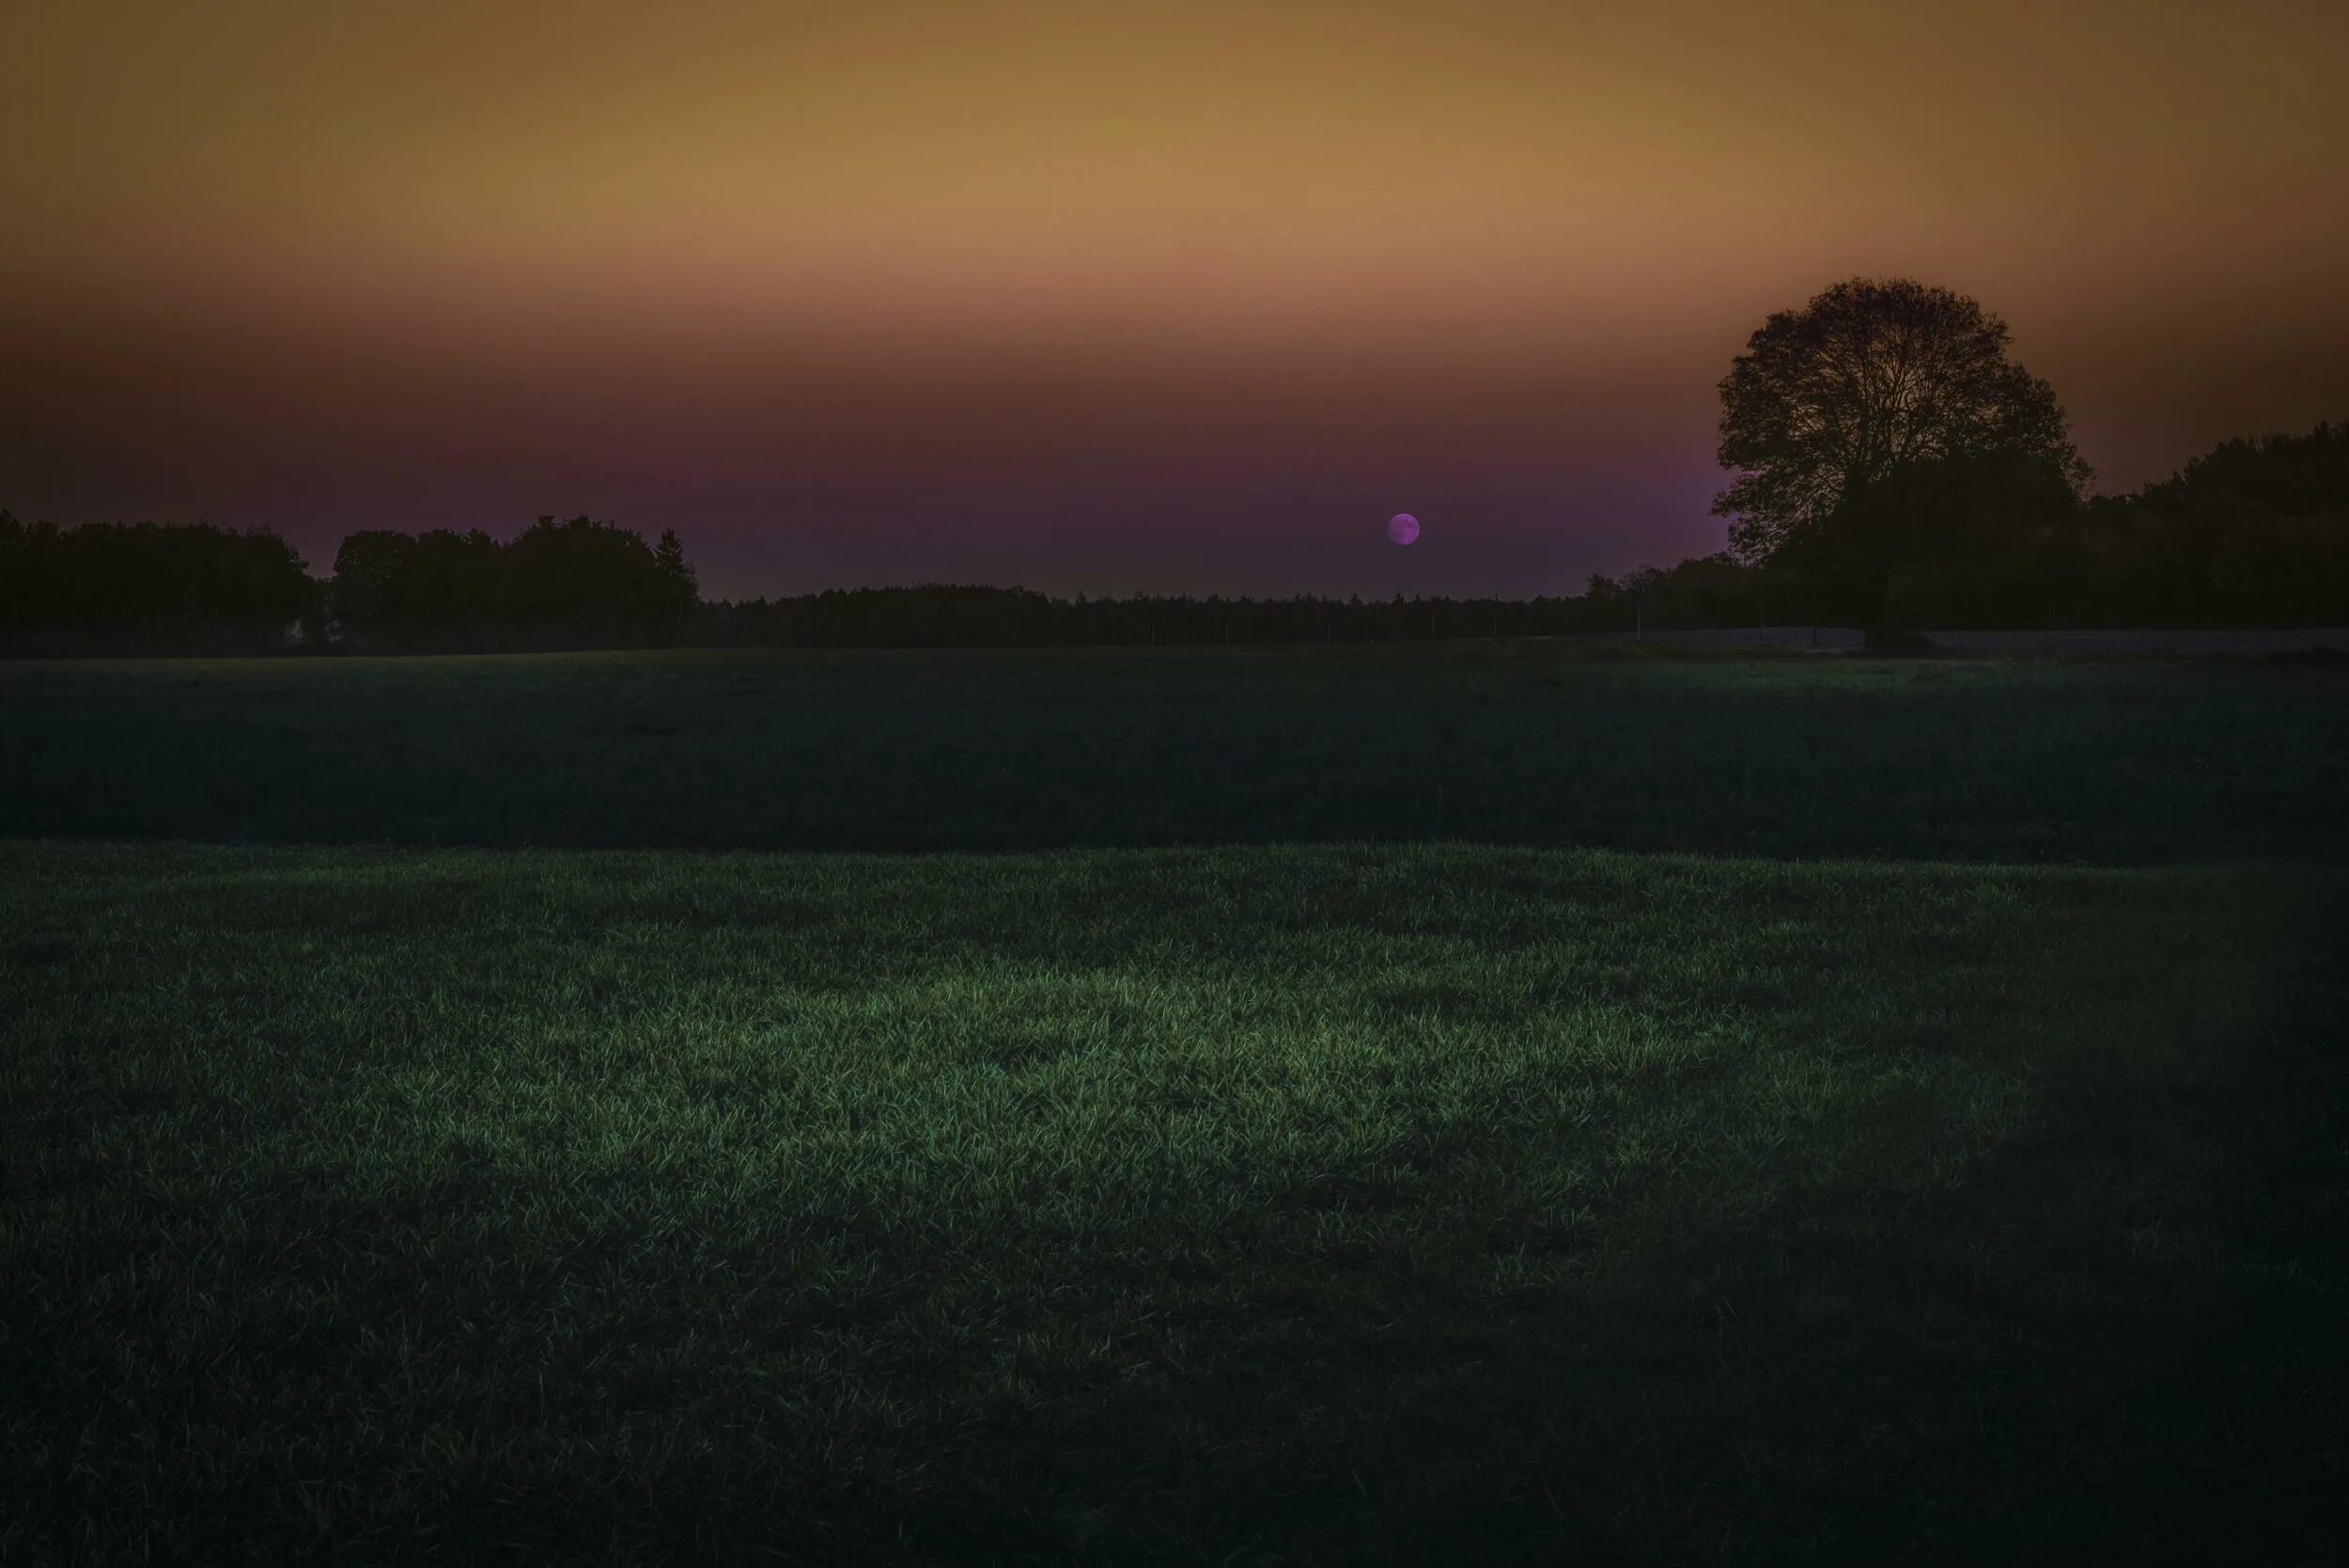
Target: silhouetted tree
[575,583]
[2255,531]
[582,582]
[148,588]
[439,589]
[677,576]
[1980,538]
[372,568]
[1871,377]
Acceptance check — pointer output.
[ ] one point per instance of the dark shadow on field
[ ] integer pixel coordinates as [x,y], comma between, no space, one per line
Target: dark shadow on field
[1771,755]
[2123,1402]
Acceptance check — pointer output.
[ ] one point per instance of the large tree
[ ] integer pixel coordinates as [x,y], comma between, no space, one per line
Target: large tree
[1872,379]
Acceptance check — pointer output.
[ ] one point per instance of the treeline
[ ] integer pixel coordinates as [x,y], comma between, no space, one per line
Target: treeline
[579,583]
[2253,532]
[148,588]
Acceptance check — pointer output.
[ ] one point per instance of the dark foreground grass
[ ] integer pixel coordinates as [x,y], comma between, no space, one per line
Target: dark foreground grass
[1509,743]
[1230,1206]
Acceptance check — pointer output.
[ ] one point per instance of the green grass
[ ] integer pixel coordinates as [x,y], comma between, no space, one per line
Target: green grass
[1734,1131]
[1511,743]
[1314,1203]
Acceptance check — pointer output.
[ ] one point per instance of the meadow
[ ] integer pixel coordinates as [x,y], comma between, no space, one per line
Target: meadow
[1505,1104]
[2122,761]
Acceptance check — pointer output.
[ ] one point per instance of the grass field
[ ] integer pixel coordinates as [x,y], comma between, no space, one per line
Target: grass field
[1734,1134]
[1513,743]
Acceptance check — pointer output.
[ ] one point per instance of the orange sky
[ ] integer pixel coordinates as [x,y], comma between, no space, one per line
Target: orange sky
[1109,295]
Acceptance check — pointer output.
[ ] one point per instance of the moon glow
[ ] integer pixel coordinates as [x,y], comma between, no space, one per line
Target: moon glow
[1402,528]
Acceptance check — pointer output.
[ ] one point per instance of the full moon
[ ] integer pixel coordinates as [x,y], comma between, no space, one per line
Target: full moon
[1402,528]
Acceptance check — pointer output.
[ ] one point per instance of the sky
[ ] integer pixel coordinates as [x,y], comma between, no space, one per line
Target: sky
[1113,297]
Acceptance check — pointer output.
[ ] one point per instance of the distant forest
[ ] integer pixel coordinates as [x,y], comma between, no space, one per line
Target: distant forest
[2251,533]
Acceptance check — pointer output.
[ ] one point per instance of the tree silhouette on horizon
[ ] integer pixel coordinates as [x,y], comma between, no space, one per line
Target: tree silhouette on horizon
[2254,532]
[1874,380]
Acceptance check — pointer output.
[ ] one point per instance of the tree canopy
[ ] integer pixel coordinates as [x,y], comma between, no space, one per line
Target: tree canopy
[580,583]
[147,587]
[1871,377]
